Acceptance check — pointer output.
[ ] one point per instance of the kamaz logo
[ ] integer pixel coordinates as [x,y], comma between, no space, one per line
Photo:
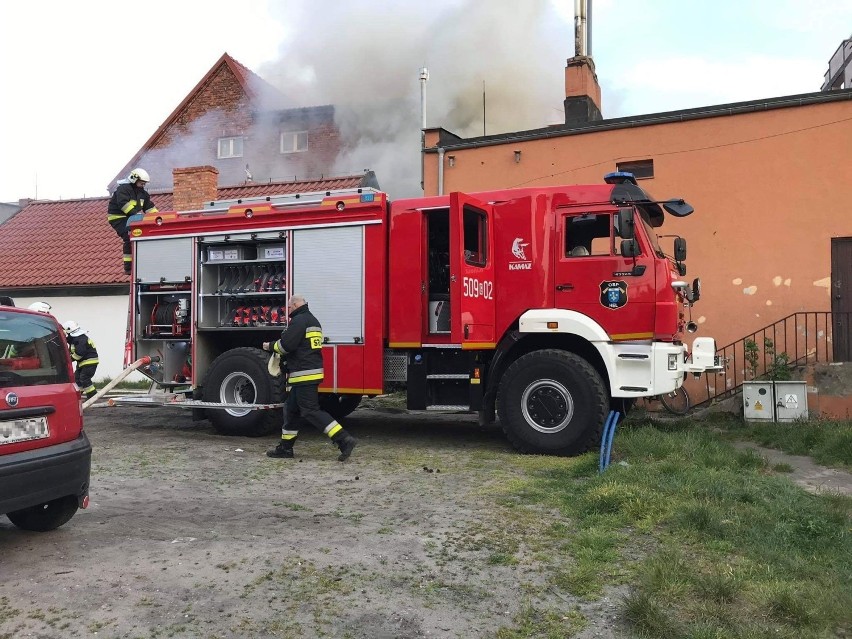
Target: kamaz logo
[518,248]
[520,266]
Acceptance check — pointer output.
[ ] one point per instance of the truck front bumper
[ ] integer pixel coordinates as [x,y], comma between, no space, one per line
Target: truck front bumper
[644,369]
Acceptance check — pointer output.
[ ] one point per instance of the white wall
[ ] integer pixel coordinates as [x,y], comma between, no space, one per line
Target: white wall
[103,317]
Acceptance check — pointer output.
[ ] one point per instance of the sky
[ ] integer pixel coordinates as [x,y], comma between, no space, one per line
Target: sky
[85,85]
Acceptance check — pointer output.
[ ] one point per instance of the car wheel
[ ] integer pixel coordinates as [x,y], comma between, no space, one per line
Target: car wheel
[240,376]
[552,402]
[47,516]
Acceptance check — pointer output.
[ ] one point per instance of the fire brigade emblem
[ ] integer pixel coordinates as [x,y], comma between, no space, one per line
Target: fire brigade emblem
[614,294]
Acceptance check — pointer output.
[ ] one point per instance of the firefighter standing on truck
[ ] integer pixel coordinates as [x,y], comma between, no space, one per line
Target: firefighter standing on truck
[301,344]
[83,352]
[129,199]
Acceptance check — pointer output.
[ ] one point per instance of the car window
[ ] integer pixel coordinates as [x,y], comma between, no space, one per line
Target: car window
[31,351]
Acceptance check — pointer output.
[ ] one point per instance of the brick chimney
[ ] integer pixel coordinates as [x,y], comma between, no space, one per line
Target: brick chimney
[194,187]
[582,91]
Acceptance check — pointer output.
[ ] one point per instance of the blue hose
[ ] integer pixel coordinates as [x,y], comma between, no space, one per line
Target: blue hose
[606,439]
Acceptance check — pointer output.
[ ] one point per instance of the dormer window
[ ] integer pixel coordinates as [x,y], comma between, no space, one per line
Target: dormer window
[230,148]
[294,141]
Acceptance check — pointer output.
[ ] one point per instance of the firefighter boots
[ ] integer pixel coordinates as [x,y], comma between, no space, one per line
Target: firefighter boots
[346,444]
[284,450]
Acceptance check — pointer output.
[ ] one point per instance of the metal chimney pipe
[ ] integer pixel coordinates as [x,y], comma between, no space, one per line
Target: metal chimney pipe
[580,30]
[589,28]
[424,77]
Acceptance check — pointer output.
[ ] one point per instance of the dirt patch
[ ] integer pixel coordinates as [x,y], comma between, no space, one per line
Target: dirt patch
[190,534]
[803,471]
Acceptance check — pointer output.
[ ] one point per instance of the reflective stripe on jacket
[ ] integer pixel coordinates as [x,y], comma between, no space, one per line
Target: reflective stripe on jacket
[83,350]
[128,200]
[301,343]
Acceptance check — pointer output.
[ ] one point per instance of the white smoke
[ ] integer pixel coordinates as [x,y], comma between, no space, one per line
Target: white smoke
[364,58]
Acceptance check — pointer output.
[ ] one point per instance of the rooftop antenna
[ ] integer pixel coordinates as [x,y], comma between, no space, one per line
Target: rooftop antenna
[483,108]
[424,77]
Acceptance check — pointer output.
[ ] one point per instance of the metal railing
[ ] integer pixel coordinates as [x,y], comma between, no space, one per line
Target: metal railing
[797,340]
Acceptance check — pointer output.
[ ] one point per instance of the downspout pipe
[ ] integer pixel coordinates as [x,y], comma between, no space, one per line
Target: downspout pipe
[440,170]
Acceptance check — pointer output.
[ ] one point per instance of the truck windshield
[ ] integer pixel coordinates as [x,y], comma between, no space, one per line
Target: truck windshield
[652,235]
[31,351]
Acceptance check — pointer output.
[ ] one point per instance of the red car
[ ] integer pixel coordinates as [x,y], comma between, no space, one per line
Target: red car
[45,457]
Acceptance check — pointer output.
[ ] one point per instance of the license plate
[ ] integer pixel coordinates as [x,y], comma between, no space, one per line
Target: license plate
[22,430]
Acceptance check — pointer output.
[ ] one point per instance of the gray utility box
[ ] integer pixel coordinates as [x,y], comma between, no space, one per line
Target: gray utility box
[775,401]
[758,401]
[791,401]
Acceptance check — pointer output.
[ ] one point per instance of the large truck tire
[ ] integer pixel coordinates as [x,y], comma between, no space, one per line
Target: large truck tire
[339,406]
[552,402]
[239,376]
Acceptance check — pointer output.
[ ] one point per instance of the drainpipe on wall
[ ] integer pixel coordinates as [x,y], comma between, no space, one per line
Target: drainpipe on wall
[440,170]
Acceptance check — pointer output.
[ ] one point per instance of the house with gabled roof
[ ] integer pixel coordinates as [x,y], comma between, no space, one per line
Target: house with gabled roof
[65,253]
[236,122]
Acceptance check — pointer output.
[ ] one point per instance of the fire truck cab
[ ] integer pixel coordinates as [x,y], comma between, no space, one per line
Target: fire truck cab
[545,307]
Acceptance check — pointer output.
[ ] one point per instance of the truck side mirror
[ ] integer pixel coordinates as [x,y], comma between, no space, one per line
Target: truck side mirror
[678,207]
[679,249]
[696,290]
[624,221]
[629,248]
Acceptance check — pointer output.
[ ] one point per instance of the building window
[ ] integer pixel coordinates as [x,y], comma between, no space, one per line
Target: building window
[641,169]
[294,141]
[230,148]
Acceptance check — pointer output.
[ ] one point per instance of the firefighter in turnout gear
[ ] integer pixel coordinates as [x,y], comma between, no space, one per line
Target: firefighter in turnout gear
[301,345]
[83,352]
[129,199]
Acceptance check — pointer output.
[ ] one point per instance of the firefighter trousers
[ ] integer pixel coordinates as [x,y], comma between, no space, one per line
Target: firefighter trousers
[83,378]
[120,228]
[303,403]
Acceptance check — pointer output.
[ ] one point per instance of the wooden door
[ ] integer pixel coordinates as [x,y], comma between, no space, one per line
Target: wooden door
[841,297]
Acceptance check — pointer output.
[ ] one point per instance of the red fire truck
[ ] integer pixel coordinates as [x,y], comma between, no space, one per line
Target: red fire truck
[544,307]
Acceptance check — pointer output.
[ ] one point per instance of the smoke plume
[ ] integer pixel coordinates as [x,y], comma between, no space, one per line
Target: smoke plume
[364,58]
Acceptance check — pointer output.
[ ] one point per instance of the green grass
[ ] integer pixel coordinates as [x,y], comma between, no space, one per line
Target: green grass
[710,542]
[827,442]
[141,384]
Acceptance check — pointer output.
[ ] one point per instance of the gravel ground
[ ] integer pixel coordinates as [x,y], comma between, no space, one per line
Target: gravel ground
[191,534]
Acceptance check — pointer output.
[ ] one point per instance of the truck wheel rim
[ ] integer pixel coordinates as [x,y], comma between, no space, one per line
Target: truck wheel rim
[547,406]
[237,388]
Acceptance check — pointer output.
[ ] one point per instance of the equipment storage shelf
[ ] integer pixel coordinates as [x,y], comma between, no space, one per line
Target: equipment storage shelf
[243,286]
[164,311]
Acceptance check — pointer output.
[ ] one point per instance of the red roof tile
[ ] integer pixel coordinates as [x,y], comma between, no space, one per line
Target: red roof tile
[69,243]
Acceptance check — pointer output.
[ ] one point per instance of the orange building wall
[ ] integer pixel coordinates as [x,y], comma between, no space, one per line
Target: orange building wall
[770,190]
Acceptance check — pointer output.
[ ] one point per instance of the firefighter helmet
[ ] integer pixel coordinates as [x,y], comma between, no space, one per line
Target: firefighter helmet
[137,175]
[41,307]
[72,328]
